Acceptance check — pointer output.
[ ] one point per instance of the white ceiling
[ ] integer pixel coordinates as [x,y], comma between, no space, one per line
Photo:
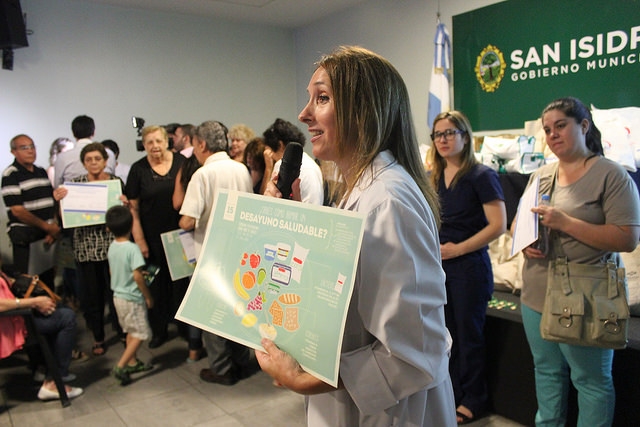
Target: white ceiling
[280,13]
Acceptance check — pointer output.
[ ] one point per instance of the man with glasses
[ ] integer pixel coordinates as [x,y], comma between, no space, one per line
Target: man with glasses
[28,196]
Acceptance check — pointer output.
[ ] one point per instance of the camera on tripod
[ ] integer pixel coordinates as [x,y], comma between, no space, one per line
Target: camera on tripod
[138,123]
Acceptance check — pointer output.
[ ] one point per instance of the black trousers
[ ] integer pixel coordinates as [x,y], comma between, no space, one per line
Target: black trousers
[21,238]
[96,291]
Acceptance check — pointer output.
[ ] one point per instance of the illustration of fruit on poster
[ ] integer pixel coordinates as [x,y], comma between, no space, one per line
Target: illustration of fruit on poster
[278,269]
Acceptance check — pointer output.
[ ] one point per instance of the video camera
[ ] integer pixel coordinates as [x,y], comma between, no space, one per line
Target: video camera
[138,123]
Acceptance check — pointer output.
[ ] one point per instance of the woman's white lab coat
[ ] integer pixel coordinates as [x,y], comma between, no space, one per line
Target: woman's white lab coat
[394,363]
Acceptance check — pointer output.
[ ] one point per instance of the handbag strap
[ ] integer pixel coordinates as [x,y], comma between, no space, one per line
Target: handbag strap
[562,266]
[561,263]
[553,236]
[615,274]
[35,281]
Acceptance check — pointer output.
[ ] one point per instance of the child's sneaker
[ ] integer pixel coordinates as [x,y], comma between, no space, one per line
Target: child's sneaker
[122,375]
[140,366]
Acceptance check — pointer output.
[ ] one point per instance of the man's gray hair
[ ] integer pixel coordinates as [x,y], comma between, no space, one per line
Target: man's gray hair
[214,134]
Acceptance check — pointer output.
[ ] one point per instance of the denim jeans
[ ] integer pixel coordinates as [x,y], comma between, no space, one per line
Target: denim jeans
[60,330]
[588,368]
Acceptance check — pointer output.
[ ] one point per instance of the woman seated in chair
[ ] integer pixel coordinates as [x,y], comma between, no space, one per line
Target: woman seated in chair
[57,323]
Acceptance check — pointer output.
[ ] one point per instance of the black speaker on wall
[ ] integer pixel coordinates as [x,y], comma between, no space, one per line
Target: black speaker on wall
[13,32]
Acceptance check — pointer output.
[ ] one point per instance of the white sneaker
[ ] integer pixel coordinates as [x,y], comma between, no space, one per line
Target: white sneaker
[46,394]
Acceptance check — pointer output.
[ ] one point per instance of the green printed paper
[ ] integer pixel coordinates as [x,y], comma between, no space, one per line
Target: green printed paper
[180,265]
[278,269]
[86,203]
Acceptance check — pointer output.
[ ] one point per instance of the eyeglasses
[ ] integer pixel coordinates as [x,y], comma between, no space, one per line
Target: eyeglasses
[25,147]
[448,134]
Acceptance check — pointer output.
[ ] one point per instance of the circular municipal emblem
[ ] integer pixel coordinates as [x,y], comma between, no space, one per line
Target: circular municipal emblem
[490,67]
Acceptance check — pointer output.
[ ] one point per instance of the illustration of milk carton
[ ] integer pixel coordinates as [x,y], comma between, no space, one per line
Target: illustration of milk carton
[297,261]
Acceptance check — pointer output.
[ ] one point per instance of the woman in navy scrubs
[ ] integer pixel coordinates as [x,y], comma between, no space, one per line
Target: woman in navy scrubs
[473,214]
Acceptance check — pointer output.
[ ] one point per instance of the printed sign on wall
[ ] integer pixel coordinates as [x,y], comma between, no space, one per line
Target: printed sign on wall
[512,58]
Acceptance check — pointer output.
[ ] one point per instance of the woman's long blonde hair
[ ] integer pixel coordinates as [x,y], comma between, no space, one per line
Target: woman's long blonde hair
[373,114]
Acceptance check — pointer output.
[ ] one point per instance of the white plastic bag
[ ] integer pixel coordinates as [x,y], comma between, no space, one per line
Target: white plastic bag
[503,148]
[618,132]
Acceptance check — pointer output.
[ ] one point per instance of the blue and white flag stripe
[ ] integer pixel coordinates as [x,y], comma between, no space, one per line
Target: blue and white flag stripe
[439,90]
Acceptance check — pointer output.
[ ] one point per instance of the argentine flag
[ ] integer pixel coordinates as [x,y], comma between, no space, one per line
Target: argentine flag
[439,87]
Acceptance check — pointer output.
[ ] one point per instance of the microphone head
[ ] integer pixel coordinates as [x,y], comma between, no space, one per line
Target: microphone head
[290,168]
[292,154]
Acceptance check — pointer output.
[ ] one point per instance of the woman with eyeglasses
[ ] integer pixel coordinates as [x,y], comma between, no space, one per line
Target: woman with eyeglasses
[150,186]
[473,214]
[90,246]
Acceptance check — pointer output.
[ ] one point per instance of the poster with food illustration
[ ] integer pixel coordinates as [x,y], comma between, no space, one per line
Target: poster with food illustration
[86,203]
[278,269]
[180,253]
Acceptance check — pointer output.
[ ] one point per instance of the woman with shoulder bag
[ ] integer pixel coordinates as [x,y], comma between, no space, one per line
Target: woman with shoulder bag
[56,322]
[594,213]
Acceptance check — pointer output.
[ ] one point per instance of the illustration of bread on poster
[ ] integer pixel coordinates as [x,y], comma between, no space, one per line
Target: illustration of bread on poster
[278,269]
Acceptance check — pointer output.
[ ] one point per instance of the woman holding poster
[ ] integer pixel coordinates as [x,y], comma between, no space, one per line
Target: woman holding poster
[90,246]
[394,361]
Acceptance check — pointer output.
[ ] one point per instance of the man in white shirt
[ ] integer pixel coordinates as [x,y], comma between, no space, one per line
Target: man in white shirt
[68,164]
[218,171]
[229,361]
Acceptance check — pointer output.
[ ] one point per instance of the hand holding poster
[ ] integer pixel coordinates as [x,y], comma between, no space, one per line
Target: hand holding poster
[277,269]
[87,202]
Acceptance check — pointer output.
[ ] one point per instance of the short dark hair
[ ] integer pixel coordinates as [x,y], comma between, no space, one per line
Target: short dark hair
[113,146]
[94,146]
[188,129]
[119,220]
[282,130]
[12,143]
[83,127]
[255,150]
[171,127]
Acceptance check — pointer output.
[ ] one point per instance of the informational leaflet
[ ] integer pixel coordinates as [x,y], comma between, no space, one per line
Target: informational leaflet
[278,269]
[180,253]
[526,228]
[86,203]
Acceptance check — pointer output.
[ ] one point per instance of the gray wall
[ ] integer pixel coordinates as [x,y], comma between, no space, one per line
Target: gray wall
[400,30]
[112,63]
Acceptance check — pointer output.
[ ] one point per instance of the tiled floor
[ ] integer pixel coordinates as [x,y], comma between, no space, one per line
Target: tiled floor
[171,394]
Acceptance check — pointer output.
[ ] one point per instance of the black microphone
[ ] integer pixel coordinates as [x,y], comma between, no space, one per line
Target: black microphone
[289,169]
